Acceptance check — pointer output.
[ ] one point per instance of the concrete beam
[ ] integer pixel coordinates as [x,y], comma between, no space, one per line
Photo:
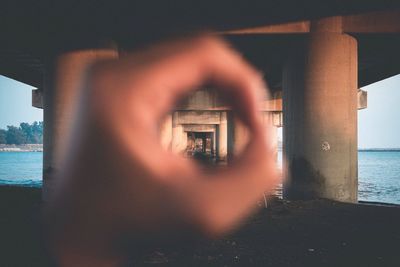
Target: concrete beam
[199,128]
[197,117]
[286,28]
[21,73]
[207,100]
[362,97]
[37,98]
[372,22]
[380,71]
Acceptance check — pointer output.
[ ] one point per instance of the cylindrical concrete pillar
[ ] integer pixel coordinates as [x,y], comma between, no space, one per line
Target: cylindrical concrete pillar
[63,80]
[214,143]
[230,136]
[320,117]
[223,137]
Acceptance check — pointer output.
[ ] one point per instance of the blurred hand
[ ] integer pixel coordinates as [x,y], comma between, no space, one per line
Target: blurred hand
[118,185]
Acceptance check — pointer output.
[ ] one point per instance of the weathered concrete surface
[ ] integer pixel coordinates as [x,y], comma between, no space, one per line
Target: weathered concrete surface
[37,98]
[179,138]
[362,97]
[320,116]
[197,117]
[373,22]
[222,145]
[209,99]
[199,128]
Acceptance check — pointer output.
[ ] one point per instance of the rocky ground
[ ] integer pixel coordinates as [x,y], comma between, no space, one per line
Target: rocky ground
[301,233]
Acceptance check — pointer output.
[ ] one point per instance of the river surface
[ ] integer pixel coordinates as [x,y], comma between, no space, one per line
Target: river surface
[378,171]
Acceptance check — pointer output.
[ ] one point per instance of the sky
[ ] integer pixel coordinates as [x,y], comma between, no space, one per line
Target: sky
[378,125]
[16,103]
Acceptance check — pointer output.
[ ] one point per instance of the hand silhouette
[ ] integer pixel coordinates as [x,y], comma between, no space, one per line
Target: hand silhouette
[118,184]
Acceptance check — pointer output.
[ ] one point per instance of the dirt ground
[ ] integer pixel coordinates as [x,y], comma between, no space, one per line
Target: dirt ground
[300,233]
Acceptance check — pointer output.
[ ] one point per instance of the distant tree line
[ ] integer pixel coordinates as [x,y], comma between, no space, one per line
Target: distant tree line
[24,134]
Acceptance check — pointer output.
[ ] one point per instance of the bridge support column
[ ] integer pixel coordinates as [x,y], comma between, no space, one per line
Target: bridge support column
[63,81]
[223,137]
[320,116]
[179,137]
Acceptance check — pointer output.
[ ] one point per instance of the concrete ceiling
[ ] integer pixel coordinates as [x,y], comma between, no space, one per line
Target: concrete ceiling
[32,31]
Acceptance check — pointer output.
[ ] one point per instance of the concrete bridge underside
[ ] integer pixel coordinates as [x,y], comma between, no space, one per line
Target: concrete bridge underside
[315,64]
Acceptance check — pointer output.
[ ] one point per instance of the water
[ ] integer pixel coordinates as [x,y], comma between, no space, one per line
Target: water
[378,171]
[21,168]
[379,176]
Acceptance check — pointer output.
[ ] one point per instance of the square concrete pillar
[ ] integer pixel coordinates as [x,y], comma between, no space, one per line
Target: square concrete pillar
[179,136]
[223,137]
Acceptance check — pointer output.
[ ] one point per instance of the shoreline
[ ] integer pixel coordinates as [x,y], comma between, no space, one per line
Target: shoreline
[379,150]
[21,148]
[39,148]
